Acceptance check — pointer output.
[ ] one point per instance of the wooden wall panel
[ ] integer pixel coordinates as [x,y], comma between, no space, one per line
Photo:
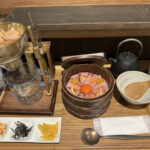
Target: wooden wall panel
[87,21]
[8,5]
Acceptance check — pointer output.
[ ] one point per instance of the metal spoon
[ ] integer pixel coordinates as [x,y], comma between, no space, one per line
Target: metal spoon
[91,137]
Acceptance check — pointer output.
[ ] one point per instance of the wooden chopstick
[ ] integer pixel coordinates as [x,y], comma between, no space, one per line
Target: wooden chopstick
[3,93]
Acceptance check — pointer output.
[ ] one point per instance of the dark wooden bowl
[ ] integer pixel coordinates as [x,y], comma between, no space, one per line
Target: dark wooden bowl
[76,102]
[83,116]
[86,111]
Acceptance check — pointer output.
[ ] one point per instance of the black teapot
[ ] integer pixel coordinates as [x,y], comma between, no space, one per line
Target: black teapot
[125,61]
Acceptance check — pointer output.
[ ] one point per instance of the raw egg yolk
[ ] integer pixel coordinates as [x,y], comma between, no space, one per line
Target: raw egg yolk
[86,89]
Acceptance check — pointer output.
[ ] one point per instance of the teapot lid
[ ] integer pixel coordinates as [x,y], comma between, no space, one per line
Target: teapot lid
[83,59]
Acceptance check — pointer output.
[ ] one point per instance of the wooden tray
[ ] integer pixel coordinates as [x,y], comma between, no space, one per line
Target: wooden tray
[44,106]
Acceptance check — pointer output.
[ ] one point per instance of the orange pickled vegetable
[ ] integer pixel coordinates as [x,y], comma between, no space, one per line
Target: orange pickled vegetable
[92,81]
[86,89]
[99,80]
[75,88]
[49,131]
[95,92]
[74,81]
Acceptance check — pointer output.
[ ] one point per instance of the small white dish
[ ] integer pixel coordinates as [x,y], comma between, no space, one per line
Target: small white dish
[48,121]
[129,77]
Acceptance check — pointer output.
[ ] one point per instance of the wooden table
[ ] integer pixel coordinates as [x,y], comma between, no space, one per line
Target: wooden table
[72,127]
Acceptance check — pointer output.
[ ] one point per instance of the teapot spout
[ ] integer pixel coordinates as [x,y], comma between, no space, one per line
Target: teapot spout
[113,60]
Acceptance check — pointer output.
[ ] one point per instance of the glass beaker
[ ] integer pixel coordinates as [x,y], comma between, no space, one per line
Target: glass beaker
[25,84]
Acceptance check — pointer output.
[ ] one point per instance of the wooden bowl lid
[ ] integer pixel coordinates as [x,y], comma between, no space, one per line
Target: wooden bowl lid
[84,59]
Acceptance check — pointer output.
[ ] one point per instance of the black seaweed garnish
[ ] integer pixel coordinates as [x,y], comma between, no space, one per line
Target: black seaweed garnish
[21,130]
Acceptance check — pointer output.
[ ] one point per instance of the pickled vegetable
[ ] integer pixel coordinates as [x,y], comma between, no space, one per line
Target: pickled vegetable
[3,128]
[49,131]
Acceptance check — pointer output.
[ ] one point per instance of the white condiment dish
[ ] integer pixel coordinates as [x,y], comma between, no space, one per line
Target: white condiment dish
[129,77]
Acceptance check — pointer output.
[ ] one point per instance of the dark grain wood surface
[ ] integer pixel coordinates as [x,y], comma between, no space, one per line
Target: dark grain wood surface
[86,17]
[87,21]
[8,5]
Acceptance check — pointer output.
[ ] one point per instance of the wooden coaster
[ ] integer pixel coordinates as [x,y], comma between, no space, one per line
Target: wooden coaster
[44,106]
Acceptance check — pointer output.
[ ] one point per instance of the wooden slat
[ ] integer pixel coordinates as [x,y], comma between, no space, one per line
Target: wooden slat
[81,21]
[31,3]
[95,33]
[8,5]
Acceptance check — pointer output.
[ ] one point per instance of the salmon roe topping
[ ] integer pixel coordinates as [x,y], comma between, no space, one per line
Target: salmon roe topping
[86,89]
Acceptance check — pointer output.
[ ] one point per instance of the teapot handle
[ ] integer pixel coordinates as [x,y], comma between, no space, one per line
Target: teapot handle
[128,40]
